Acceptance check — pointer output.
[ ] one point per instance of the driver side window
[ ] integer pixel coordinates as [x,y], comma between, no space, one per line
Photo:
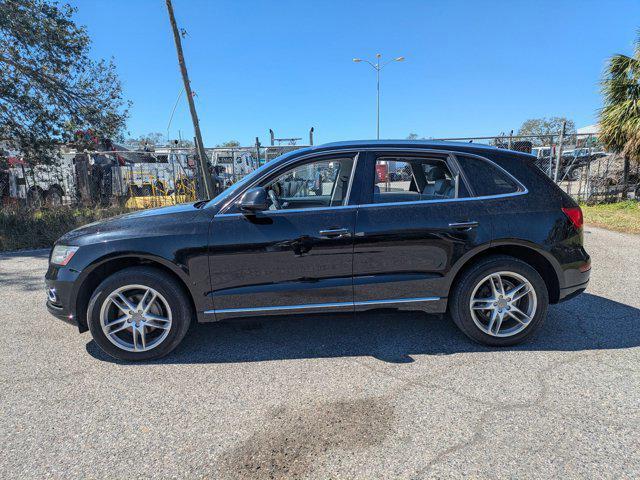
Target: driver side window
[319,183]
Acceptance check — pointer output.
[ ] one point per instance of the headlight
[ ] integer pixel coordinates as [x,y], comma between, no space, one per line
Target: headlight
[62,254]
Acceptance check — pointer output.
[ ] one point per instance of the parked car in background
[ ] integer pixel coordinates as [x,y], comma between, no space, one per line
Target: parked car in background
[471,230]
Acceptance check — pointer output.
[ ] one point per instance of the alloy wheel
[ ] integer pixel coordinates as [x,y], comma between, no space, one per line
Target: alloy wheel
[135,318]
[503,304]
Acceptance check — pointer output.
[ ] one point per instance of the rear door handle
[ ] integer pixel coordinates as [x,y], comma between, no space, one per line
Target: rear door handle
[464,225]
[335,232]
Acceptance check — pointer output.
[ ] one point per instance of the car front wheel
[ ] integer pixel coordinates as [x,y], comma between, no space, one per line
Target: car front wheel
[138,313]
[500,301]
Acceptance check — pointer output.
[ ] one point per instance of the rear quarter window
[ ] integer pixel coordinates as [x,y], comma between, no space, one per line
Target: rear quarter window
[486,178]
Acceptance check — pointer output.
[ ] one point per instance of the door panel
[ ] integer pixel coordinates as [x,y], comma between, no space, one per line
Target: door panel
[405,250]
[296,256]
[280,259]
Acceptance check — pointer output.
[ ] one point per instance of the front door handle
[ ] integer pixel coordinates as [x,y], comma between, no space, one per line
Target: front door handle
[464,225]
[335,232]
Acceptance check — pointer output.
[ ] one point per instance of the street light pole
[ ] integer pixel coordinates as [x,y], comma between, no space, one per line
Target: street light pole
[377,102]
[377,67]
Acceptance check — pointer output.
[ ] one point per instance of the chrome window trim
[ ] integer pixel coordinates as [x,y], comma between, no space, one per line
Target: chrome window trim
[289,210]
[385,204]
[444,200]
[522,190]
[323,305]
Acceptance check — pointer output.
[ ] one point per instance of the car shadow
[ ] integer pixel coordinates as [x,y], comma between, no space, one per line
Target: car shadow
[587,322]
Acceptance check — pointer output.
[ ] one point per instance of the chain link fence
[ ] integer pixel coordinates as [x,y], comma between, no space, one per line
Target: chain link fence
[578,163]
[159,176]
[133,179]
[139,179]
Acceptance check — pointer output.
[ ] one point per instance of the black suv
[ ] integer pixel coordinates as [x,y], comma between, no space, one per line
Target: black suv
[471,230]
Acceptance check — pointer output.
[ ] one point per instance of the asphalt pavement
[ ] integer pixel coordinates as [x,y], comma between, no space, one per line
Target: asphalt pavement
[386,395]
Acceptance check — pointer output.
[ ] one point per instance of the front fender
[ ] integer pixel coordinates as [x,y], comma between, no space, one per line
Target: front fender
[184,256]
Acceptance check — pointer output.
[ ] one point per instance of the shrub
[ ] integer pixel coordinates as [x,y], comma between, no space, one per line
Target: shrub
[20,228]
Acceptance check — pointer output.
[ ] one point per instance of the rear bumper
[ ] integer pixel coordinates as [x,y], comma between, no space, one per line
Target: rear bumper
[575,276]
[579,280]
[570,292]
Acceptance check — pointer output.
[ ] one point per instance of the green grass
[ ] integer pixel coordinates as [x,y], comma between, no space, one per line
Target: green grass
[21,229]
[621,216]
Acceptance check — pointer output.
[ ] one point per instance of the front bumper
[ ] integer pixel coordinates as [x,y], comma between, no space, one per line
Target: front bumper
[61,313]
[61,296]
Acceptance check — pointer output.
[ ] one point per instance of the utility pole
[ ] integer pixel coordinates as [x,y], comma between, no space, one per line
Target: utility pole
[206,187]
[559,156]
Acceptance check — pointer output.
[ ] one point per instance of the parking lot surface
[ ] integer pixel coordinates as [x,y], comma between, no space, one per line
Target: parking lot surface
[387,395]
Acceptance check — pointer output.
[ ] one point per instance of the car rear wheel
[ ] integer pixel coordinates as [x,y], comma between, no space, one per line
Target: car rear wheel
[500,301]
[138,313]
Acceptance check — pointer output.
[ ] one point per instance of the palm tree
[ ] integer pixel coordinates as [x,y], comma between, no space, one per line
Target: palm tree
[620,116]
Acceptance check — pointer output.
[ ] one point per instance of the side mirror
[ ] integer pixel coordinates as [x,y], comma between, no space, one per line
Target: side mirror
[254,200]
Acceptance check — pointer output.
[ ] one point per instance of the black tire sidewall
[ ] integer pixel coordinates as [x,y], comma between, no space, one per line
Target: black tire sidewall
[460,311]
[169,288]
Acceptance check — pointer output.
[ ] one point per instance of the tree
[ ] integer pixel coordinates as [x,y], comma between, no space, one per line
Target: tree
[412,136]
[229,144]
[153,138]
[620,115]
[49,87]
[545,126]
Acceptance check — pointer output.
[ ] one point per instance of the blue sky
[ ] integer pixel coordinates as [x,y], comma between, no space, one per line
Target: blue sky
[472,67]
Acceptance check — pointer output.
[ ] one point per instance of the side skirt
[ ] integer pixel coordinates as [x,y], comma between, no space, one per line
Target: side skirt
[426,304]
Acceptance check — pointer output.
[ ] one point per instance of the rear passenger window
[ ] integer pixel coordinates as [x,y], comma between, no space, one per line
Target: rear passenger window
[407,179]
[485,178]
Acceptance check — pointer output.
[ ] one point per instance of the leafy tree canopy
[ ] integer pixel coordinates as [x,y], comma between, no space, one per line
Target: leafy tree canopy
[620,115]
[153,138]
[229,144]
[49,87]
[545,126]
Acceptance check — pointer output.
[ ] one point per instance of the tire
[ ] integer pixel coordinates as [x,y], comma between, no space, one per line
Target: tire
[171,310]
[474,282]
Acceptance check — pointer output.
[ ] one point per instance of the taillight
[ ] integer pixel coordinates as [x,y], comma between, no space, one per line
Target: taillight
[575,215]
